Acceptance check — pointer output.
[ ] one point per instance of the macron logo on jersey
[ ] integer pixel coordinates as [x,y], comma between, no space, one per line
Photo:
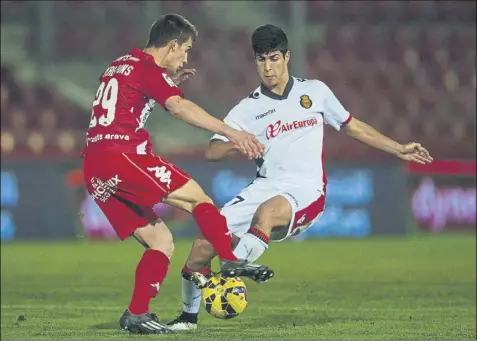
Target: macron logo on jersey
[275,129]
[269,112]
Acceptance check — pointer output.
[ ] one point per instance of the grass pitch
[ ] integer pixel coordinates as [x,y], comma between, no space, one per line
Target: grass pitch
[377,288]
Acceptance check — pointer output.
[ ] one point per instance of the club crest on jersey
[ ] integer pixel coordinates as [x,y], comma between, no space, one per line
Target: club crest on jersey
[305,101]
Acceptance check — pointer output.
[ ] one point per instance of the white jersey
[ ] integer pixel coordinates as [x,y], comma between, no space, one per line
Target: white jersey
[291,128]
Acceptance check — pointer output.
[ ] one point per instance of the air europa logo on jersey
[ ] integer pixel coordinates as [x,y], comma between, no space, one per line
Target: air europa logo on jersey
[275,129]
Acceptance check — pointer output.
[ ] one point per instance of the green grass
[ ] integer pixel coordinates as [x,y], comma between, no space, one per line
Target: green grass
[397,288]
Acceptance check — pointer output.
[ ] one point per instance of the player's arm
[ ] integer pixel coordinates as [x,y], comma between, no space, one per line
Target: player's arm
[365,133]
[337,116]
[162,89]
[219,150]
[220,147]
[189,112]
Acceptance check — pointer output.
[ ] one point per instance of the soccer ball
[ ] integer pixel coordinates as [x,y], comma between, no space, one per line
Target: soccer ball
[224,298]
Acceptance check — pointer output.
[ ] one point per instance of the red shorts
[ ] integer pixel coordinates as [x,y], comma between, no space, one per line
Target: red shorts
[127,186]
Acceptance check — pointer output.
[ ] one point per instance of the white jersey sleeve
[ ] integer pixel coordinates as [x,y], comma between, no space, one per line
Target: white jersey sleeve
[234,120]
[334,113]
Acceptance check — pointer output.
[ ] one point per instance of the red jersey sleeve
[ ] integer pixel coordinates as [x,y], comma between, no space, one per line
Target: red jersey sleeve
[158,84]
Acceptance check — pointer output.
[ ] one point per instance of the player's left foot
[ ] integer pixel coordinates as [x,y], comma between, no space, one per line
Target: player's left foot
[258,273]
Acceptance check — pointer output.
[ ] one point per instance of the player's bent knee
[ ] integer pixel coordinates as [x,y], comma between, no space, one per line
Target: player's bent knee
[269,216]
[156,236]
[165,246]
[164,242]
[265,215]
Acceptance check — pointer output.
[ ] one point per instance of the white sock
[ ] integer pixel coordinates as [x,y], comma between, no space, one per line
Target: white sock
[191,297]
[252,245]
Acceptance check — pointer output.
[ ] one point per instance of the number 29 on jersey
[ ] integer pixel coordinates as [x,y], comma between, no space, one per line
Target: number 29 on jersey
[106,97]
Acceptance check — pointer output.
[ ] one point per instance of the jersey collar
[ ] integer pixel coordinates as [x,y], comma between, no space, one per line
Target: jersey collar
[140,54]
[264,90]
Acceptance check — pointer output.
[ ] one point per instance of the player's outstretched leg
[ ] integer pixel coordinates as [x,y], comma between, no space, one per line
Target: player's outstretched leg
[150,273]
[257,241]
[213,227]
[211,223]
[273,213]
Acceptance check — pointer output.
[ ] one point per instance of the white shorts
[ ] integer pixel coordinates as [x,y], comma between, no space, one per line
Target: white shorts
[307,204]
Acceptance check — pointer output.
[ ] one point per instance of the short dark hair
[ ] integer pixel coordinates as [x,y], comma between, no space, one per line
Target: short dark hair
[269,38]
[171,27]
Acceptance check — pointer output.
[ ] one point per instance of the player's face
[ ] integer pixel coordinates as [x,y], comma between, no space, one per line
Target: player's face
[179,54]
[272,67]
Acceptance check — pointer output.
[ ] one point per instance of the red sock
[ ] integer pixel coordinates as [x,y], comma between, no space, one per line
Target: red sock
[213,227]
[150,273]
[205,271]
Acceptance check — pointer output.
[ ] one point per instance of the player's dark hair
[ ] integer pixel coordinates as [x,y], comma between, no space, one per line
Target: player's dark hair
[269,38]
[171,27]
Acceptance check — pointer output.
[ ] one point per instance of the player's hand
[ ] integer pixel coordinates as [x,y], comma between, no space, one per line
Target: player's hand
[414,152]
[246,143]
[182,75]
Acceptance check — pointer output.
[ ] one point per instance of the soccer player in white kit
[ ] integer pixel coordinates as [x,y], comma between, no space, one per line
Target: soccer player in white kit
[287,115]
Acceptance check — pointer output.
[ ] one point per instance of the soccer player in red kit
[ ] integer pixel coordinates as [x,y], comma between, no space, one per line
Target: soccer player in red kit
[126,179]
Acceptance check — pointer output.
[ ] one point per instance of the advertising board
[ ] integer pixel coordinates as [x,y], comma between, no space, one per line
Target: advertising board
[443,196]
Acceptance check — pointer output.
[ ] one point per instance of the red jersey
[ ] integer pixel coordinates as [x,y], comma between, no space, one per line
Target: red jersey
[128,91]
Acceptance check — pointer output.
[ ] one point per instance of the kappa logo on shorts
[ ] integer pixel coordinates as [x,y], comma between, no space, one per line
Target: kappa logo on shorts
[156,286]
[301,220]
[301,225]
[161,174]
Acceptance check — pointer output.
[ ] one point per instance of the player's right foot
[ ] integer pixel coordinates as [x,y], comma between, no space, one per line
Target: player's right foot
[184,322]
[258,273]
[142,324]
